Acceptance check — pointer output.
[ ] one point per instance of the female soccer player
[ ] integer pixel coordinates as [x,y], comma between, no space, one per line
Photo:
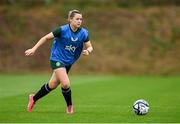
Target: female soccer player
[69,41]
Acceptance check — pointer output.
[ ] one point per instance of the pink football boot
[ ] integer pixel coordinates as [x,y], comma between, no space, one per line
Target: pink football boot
[31,103]
[69,109]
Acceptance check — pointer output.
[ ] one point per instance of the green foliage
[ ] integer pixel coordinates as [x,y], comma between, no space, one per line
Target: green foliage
[175,34]
[83,3]
[132,40]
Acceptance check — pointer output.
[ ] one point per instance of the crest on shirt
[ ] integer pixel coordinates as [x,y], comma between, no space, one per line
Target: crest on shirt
[74,39]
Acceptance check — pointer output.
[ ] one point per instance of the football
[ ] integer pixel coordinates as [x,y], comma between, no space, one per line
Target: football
[141,107]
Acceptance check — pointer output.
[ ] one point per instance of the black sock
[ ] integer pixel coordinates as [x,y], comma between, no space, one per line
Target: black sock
[67,95]
[45,89]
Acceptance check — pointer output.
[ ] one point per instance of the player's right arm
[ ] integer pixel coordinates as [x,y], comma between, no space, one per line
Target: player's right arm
[44,39]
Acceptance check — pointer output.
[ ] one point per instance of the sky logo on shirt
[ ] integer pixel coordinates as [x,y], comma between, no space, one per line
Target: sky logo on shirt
[70,48]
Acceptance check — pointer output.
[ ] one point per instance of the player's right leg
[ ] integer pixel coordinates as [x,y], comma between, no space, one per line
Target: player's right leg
[45,89]
[31,103]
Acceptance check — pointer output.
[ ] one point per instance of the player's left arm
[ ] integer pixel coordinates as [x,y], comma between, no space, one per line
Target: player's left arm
[88,48]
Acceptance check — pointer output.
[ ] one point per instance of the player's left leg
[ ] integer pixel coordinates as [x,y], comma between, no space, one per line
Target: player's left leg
[61,74]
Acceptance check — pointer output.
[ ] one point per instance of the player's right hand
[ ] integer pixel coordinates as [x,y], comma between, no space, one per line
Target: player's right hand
[29,52]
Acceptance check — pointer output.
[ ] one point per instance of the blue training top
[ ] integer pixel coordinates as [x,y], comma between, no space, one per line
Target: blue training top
[68,45]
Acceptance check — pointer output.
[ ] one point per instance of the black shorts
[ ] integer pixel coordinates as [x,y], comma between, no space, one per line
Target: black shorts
[56,64]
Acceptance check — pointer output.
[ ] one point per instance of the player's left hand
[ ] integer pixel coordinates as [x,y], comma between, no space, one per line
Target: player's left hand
[85,52]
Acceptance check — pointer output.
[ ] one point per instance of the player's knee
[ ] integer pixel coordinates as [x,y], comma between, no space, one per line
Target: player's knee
[53,85]
[65,85]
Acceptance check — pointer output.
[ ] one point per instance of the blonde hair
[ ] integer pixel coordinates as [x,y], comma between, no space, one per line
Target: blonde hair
[72,13]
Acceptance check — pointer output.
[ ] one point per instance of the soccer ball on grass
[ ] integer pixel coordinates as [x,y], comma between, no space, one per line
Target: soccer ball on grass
[141,107]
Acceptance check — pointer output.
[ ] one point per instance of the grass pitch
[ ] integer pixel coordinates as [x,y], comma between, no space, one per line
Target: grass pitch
[100,99]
